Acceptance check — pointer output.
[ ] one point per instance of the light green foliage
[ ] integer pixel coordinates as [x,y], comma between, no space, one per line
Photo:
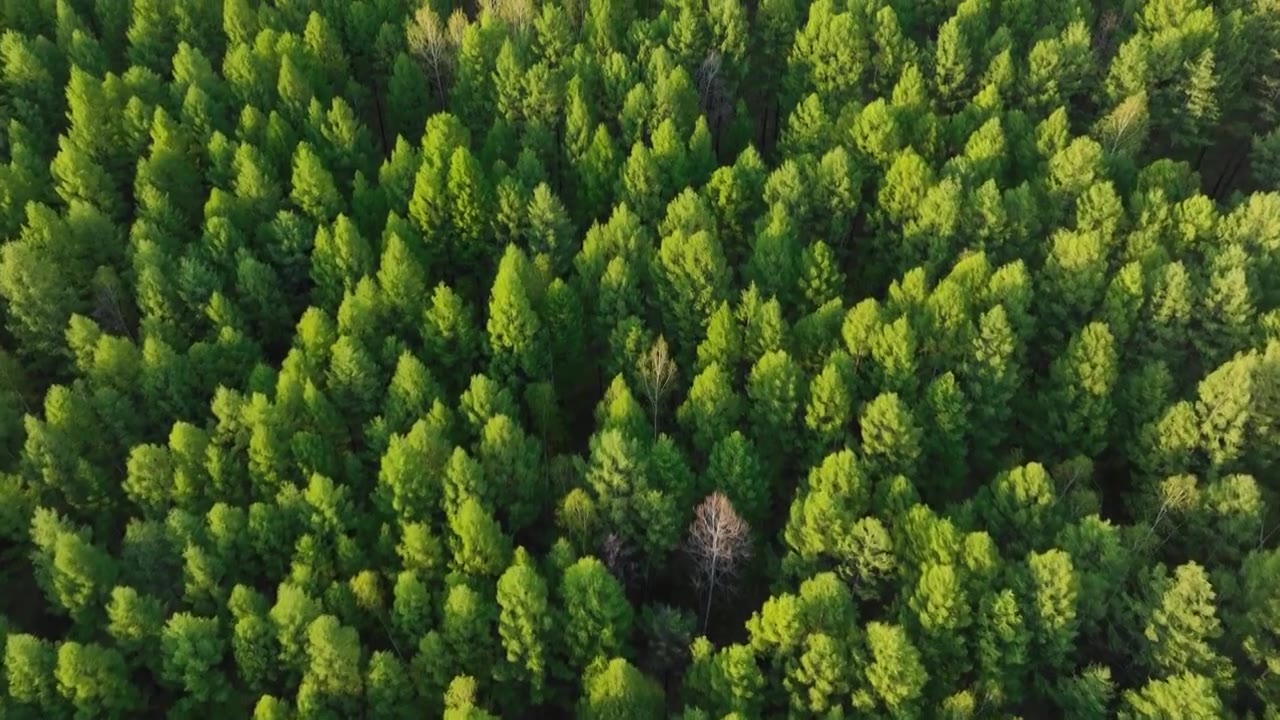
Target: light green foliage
[480,547]
[525,623]
[597,616]
[193,649]
[619,690]
[1051,591]
[895,672]
[1183,626]
[711,409]
[516,337]
[94,680]
[1183,695]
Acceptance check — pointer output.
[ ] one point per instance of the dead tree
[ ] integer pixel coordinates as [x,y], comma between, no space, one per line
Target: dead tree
[657,373]
[434,45]
[714,97]
[720,544]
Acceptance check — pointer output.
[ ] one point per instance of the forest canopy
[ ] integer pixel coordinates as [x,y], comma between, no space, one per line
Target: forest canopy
[640,358]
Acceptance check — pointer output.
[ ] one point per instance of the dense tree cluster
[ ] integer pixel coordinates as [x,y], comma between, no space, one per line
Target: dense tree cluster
[854,358]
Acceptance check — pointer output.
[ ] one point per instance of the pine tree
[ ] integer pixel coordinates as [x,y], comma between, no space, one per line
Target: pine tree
[516,337]
[1052,588]
[829,410]
[942,614]
[313,187]
[524,623]
[597,615]
[470,208]
[895,671]
[711,409]
[619,690]
[1084,379]
[1002,647]
[733,468]
[890,437]
[1183,625]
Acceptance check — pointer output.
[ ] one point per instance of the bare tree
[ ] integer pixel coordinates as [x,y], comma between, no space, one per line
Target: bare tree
[617,556]
[434,45]
[109,304]
[719,543]
[713,95]
[1104,30]
[519,13]
[1124,128]
[657,373]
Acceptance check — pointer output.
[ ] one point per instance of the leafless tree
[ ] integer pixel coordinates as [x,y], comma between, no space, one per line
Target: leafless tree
[109,305]
[519,13]
[713,95]
[434,44]
[617,556]
[1104,32]
[709,76]
[1123,128]
[657,373]
[719,543]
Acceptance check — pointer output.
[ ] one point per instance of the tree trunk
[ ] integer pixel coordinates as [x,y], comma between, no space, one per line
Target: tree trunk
[711,589]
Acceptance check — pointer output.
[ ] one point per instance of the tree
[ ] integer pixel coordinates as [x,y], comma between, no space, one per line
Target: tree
[825,527]
[524,623]
[597,616]
[1002,647]
[1180,630]
[890,436]
[75,575]
[134,621]
[342,256]
[1051,592]
[314,190]
[466,628]
[657,373]
[1084,379]
[388,689]
[432,45]
[29,666]
[1201,108]
[774,388]
[95,680]
[1182,695]
[942,613]
[822,674]
[515,332]
[729,680]
[40,301]
[1089,693]
[1265,158]
[694,280]
[619,690]
[193,649]
[719,543]
[711,409]
[1123,130]
[733,468]
[481,548]
[470,208]
[332,682]
[460,700]
[895,672]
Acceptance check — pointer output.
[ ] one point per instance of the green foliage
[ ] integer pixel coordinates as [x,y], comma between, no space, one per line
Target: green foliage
[379,358]
[596,615]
